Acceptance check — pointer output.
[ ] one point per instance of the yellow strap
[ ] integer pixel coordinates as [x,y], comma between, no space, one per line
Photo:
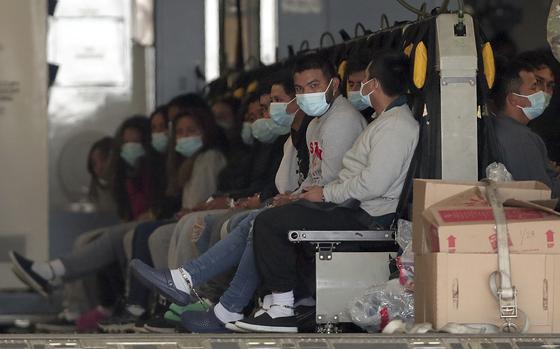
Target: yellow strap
[408,49]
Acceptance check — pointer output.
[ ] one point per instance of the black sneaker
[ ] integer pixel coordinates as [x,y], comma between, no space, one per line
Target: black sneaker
[305,317]
[124,323]
[265,323]
[160,324]
[22,269]
[61,325]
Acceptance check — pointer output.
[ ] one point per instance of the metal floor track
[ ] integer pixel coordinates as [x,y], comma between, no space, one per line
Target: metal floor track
[274,341]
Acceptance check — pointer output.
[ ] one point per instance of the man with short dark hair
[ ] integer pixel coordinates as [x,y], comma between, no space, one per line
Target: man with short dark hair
[519,98]
[547,126]
[373,172]
[335,125]
[355,73]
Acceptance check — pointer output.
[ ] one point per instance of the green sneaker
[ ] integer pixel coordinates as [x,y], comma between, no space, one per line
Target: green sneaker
[175,311]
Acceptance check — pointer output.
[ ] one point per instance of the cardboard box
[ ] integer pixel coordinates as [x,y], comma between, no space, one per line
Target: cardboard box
[428,192]
[455,288]
[465,223]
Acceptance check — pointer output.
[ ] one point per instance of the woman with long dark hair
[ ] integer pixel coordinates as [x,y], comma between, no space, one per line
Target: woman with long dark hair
[136,181]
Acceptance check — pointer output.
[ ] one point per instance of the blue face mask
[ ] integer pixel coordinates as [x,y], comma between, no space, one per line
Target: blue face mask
[538,105]
[246,133]
[160,141]
[314,104]
[280,115]
[131,152]
[187,146]
[264,130]
[357,101]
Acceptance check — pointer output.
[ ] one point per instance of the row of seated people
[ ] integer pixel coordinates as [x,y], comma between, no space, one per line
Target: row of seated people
[207,208]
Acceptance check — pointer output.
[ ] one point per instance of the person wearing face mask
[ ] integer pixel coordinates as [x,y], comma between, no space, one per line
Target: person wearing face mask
[252,114]
[547,126]
[354,75]
[519,99]
[98,169]
[336,123]
[159,123]
[285,111]
[226,111]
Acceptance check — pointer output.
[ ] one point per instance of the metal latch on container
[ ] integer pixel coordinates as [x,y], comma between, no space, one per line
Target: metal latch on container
[325,250]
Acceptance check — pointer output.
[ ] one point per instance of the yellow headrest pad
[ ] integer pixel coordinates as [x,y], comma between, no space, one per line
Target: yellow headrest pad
[420,65]
[489,64]
[252,86]
[342,68]
[239,93]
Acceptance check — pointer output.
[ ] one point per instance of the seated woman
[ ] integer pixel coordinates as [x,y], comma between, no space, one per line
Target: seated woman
[135,187]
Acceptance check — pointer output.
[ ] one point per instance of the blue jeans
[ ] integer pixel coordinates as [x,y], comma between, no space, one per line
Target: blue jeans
[235,249]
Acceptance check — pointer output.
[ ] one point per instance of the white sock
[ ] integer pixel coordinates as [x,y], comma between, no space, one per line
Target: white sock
[225,315]
[58,268]
[69,315]
[265,305]
[267,301]
[180,283]
[135,310]
[105,311]
[282,305]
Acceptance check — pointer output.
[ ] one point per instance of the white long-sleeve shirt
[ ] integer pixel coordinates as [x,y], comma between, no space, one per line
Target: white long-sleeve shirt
[329,137]
[374,170]
[287,176]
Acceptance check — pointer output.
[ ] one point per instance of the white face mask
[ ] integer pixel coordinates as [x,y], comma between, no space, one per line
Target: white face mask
[357,101]
[314,104]
[160,141]
[246,133]
[538,104]
[187,146]
[366,98]
[262,130]
[131,152]
[280,115]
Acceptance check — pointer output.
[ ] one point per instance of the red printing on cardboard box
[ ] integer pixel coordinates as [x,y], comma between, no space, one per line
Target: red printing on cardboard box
[494,241]
[550,239]
[486,215]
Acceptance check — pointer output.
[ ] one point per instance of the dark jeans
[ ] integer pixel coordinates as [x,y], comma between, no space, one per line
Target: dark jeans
[278,260]
[110,282]
[138,294]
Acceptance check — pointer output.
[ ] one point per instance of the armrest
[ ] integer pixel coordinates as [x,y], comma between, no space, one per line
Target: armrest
[341,235]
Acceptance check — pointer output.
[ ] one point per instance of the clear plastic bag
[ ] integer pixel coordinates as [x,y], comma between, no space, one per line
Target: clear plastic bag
[381,305]
[498,172]
[553,28]
[405,265]
[404,233]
